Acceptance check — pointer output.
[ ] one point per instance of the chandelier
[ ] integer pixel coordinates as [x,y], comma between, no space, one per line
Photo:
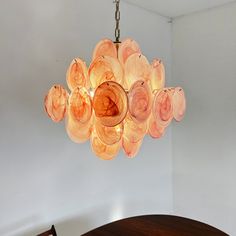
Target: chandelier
[118,99]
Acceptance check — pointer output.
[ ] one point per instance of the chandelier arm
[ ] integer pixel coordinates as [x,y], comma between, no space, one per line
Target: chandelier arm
[117,19]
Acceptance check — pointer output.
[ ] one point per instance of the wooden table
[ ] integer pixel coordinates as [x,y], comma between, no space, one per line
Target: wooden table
[156,225]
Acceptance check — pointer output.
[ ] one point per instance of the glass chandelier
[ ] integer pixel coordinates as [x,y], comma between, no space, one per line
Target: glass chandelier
[117,100]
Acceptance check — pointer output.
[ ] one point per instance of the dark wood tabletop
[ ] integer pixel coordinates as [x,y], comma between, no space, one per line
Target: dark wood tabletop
[156,225]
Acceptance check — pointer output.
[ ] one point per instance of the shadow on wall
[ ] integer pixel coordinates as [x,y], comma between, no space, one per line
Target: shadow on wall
[71,226]
[75,226]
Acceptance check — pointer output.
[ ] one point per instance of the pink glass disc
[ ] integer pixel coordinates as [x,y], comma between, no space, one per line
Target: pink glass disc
[136,68]
[101,150]
[131,149]
[155,130]
[157,77]
[126,49]
[105,68]
[110,103]
[140,101]
[179,104]
[55,103]
[105,48]
[109,135]
[77,74]
[134,131]
[78,132]
[80,105]
[163,107]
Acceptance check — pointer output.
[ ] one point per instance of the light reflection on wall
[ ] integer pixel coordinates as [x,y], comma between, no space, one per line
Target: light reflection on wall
[117,211]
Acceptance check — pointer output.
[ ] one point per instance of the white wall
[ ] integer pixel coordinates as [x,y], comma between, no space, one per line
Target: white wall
[44,177]
[204,144]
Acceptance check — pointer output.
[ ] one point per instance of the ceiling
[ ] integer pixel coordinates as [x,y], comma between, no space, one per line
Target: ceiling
[175,8]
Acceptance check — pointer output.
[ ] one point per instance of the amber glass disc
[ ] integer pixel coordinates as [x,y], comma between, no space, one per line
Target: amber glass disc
[136,68]
[179,104]
[163,107]
[105,48]
[140,101]
[102,150]
[157,76]
[126,49]
[80,105]
[77,74]
[109,135]
[105,68]
[78,132]
[55,103]
[155,130]
[131,149]
[110,103]
[134,131]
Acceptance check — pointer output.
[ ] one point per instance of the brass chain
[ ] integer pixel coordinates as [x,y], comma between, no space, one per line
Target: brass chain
[117,18]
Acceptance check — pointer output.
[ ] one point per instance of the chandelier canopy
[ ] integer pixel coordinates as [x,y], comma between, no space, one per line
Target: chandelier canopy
[118,99]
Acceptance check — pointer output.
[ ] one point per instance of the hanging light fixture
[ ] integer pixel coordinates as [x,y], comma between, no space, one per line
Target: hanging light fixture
[117,100]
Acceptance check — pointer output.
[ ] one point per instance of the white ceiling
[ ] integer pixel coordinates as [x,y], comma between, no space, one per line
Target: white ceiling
[174,8]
